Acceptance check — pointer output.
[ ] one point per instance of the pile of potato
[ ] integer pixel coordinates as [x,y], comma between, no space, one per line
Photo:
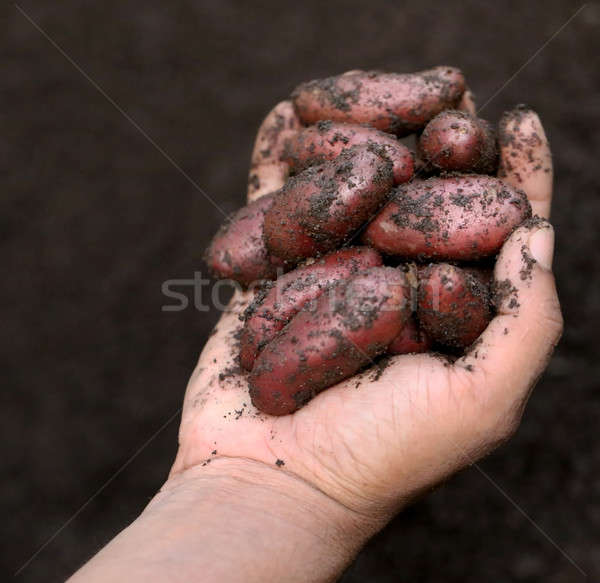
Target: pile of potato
[378,250]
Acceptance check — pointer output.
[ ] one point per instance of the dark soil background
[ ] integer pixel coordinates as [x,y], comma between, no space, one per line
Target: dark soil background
[94,219]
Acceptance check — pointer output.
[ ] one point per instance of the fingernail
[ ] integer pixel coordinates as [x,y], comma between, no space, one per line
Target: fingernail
[541,245]
[523,107]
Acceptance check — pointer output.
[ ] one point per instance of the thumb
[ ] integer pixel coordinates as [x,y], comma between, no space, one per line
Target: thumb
[515,348]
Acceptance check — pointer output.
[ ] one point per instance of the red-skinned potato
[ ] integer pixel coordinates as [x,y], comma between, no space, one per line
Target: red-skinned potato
[321,347]
[456,141]
[317,210]
[275,306]
[392,102]
[327,140]
[453,305]
[411,339]
[457,218]
[238,249]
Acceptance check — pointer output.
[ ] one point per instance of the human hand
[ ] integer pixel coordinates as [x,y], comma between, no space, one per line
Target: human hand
[374,441]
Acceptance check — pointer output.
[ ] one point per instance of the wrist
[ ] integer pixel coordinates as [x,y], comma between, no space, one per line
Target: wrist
[238,520]
[269,523]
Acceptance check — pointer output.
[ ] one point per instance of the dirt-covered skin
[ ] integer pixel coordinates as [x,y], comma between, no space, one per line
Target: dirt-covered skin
[238,249]
[453,305]
[517,139]
[280,123]
[275,306]
[321,347]
[317,210]
[458,218]
[266,166]
[456,141]
[326,140]
[392,102]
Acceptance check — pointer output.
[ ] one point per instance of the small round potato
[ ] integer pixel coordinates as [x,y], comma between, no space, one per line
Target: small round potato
[456,141]
[453,305]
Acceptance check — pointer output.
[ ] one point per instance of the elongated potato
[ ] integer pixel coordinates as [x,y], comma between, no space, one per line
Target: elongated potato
[327,139]
[238,249]
[459,218]
[411,339]
[453,305]
[392,102]
[456,141]
[274,308]
[321,347]
[317,210]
